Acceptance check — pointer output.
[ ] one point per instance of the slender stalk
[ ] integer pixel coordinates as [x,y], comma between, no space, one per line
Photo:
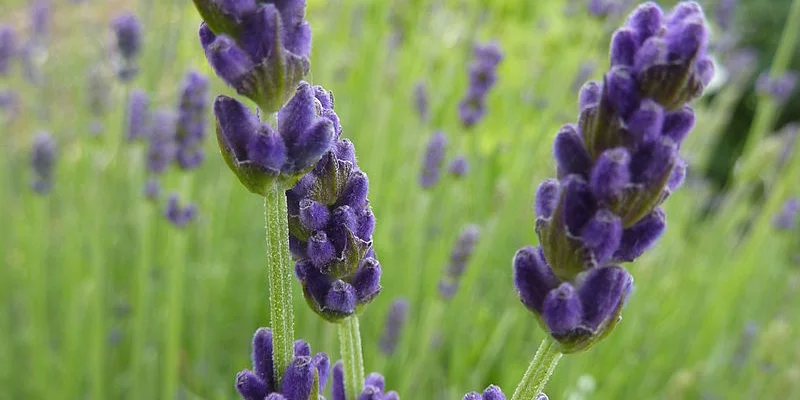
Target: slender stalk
[539,371]
[141,287]
[353,359]
[279,269]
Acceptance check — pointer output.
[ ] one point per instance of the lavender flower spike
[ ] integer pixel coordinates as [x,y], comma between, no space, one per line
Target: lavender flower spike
[192,121]
[298,379]
[260,48]
[393,329]
[459,166]
[138,115]
[787,218]
[374,386]
[462,251]
[433,159]
[128,31]
[259,155]
[779,88]
[614,169]
[8,48]
[330,230]
[421,102]
[43,157]
[482,77]
[162,147]
[180,216]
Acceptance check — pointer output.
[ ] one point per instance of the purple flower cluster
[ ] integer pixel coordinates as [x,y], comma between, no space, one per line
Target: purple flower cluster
[374,386]
[8,48]
[43,158]
[491,393]
[128,31]
[432,160]
[462,251]
[162,147]
[179,215]
[260,48]
[779,88]
[459,166]
[395,322]
[482,76]
[138,115]
[331,225]
[298,379]
[192,122]
[614,169]
[259,155]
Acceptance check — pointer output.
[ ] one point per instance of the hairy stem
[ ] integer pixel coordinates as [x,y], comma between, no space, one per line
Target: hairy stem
[539,371]
[279,269]
[353,359]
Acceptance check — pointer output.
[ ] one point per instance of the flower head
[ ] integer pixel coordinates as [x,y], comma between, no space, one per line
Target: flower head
[8,47]
[138,115]
[462,251]
[260,48]
[162,147]
[491,393]
[179,215]
[482,77]
[374,386]
[192,122]
[43,158]
[393,329]
[298,380]
[128,31]
[259,155]
[432,160]
[330,226]
[614,169]
[459,166]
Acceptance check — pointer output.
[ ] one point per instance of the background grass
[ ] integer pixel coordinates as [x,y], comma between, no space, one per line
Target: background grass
[93,278]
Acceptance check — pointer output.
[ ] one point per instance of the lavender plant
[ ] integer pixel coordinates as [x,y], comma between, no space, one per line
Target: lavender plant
[614,169]
[128,31]
[393,329]
[192,122]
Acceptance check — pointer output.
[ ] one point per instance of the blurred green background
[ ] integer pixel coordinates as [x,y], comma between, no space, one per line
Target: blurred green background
[103,299]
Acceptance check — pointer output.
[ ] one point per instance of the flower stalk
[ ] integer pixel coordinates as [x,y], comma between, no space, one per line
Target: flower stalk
[539,371]
[350,346]
[279,270]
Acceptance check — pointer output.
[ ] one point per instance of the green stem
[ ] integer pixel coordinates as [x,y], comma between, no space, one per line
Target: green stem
[353,359]
[539,371]
[141,288]
[279,269]
[767,109]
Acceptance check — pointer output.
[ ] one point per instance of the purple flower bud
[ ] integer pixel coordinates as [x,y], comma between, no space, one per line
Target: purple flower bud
[178,215]
[320,249]
[622,91]
[8,48]
[43,158]
[421,102]
[623,47]
[646,122]
[646,20]
[602,235]
[562,310]
[162,147]
[602,293]
[639,237]
[459,166]
[298,378]
[393,329]
[138,115]
[653,163]
[678,124]
[374,386]
[547,196]
[432,161]
[610,174]
[491,393]
[677,176]
[787,218]
[570,153]
[590,94]
[192,120]
[579,204]
[367,280]
[533,278]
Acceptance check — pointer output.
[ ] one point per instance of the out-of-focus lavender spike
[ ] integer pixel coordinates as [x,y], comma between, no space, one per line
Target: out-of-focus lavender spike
[725,12]
[179,215]
[8,48]
[128,31]
[482,77]
[585,71]
[421,102]
[192,120]
[43,158]
[459,166]
[432,160]
[138,115]
[492,392]
[459,258]
[9,105]
[162,147]
[152,189]
[779,88]
[787,218]
[374,386]
[40,13]
[393,329]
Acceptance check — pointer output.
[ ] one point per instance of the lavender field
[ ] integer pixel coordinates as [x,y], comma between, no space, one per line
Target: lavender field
[477,199]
